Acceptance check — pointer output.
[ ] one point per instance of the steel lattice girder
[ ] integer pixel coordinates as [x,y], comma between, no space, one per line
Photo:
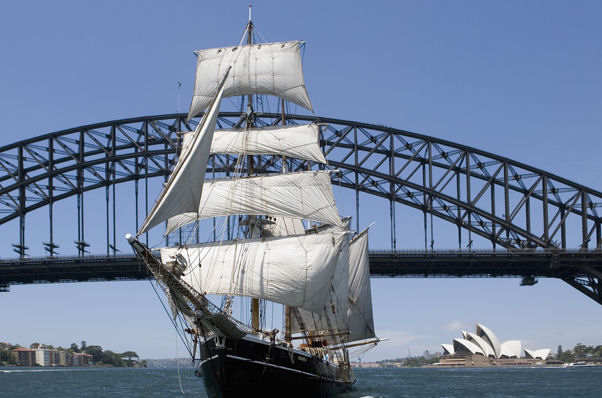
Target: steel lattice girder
[509,203]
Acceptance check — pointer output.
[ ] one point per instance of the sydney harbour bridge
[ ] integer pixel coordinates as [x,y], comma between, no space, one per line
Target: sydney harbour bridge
[536,224]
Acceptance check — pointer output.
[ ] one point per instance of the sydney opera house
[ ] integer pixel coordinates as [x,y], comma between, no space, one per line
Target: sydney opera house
[483,348]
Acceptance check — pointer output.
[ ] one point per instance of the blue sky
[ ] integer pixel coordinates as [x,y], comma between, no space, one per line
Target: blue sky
[519,79]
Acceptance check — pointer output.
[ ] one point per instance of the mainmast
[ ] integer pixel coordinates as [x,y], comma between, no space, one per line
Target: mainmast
[251,171]
[287,308]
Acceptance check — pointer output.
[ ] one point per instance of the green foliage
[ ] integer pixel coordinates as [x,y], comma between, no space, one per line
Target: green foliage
[580,349]
[411,362]
[129,355]
[111,358]
[415,362]
[96,352]
[6,357]
[580,352]
[567,356]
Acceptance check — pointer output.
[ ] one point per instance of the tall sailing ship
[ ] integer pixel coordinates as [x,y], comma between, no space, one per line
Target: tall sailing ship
[292,250]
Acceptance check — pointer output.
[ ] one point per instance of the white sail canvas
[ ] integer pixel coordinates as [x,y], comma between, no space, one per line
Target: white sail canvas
[182,192]
[272,68]
[360,319]
[300,142]
[295,271]
[305,195]
[283,226]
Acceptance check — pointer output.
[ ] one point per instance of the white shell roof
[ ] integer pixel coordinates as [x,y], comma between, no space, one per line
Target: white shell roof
[487,335]
[511,349]
[448,349]
[485,342]
[487,349]
[465,345]
[538,354]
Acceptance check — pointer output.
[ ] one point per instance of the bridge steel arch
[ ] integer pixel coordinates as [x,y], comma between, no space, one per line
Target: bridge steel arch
[510,204]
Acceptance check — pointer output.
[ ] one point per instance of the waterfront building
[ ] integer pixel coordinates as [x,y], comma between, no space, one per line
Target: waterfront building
[65,358]
[81,359]
[43,357]
[24,356]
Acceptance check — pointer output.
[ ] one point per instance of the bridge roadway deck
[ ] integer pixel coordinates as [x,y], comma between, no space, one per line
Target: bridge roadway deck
[486,264]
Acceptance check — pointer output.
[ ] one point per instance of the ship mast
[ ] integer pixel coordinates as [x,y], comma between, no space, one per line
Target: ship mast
[287,308]
[251,171]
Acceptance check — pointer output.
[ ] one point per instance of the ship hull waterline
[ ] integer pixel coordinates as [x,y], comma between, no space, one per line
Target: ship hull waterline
[252,367]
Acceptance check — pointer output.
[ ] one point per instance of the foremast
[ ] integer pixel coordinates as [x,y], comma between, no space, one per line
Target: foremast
[251,171]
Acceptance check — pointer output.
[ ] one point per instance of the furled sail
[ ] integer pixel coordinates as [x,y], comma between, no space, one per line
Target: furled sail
[272,68]
[360,320]
[305,195]
[183,190]
[299,142]
[295,270]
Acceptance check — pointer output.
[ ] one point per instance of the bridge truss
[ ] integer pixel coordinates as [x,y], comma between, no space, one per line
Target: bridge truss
[510,204]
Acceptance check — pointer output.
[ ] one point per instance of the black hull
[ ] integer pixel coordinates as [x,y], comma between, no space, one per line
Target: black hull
[250,367]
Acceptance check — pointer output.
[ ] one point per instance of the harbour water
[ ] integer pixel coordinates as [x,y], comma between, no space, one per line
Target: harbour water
[382,383]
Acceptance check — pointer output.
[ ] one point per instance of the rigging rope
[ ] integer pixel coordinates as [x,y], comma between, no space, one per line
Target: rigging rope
[170,317]
[178,366]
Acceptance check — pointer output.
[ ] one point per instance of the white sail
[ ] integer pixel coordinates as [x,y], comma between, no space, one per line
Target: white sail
[360,320]
[184,188]
[334,314]
[300,142]
[294,270]
[337,306]
[307,195]
[273,68]
[283,226]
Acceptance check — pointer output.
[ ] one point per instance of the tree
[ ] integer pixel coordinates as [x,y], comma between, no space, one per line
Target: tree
[598,351]
[559,352]
[580,349]
[73,347]
[83,346]
[129,355]
[567,356]
[5,356]
[111,358]
[96,352]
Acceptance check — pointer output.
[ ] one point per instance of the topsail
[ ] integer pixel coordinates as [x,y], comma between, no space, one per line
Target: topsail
[304,195]
[299,142]
[273,68]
